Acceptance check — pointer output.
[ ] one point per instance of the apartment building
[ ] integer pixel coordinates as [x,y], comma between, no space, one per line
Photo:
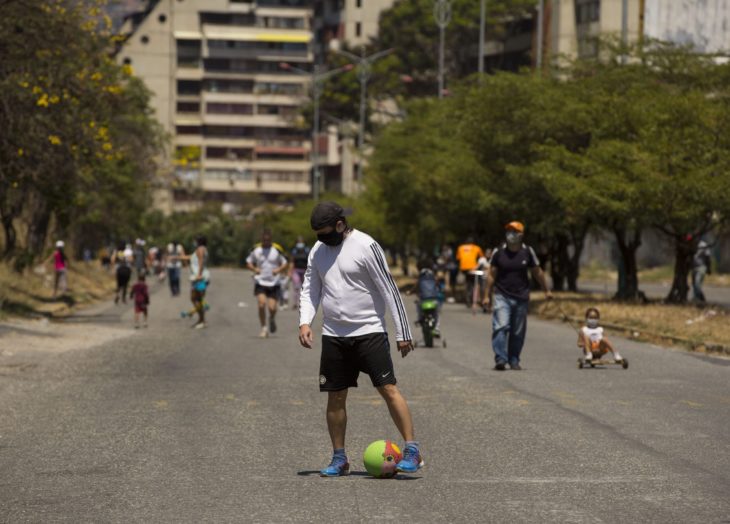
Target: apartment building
[353,22]
[219,90]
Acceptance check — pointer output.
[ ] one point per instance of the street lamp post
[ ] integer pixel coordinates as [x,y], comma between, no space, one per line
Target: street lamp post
[624,29]
[442,14]
[319,74]
[364,72]
[540,33]
[482,23]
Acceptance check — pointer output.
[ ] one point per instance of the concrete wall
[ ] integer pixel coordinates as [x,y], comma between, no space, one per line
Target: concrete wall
[702,23]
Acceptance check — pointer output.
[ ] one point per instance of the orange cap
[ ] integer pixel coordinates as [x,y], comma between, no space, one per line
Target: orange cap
[517,226]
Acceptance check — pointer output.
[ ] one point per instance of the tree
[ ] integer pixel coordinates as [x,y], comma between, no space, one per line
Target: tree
[78,138]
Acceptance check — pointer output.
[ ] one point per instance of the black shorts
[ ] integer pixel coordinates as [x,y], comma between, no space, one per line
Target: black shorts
[269,291]
[343,358]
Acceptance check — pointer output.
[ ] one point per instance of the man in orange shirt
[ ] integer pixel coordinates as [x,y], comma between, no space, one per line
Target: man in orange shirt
[468,255]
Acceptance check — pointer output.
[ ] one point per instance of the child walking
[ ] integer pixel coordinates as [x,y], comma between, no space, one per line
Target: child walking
[141,296]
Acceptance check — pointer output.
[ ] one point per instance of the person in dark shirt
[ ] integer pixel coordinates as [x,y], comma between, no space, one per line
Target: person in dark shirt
[508,273]
[299,258]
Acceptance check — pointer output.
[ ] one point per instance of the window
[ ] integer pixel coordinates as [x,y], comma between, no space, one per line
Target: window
[230,153]
[358,29]
[188,130]
[145,39]
[188,107]
[188,87]
[162,18]
[127,61]
[218,108]
[358,4]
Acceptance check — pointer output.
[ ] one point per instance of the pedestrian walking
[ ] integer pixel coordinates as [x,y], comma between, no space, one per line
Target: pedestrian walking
[452,269]
[60,266]
[348,275]
[701,266]
[199,279]
[468,255]
[299,258]
[173,265]
[122,260]
[267,263]
[141,295]
[140,258]
[508,273]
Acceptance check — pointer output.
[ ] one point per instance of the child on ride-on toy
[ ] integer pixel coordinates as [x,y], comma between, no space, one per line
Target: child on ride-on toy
[427,287]
[592,341]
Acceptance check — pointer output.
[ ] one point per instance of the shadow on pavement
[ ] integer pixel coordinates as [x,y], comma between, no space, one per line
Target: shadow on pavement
[315,473]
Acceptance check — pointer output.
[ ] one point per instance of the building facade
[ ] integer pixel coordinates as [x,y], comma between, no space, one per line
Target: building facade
[219,89]
[352,22]
[705,25]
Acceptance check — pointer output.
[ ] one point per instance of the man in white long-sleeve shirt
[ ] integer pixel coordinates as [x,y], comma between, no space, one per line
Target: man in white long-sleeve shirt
[348,276]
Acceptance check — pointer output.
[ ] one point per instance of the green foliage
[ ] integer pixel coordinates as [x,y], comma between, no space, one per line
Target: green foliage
[79,139]
[606,145]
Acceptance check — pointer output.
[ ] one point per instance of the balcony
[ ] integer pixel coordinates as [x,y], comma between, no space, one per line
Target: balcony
[269,166]
[255,182]
[256,34]
[257,49]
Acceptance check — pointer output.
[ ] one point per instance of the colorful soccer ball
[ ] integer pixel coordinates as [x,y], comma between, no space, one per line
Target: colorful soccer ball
[381,457]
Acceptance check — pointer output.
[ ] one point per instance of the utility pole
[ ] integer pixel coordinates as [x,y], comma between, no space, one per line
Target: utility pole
[442,14]
[624,29]
[540,33]
[364,72]
[319,74]
[482,23]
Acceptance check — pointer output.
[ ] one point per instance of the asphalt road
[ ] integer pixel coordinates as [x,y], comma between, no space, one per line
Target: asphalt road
[175,425]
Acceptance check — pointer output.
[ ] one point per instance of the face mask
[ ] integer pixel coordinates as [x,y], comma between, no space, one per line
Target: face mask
[300,245]
[592,323]
[332,238]
[513,237]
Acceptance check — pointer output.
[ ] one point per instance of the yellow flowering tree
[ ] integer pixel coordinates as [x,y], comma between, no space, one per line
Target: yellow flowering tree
[79,142]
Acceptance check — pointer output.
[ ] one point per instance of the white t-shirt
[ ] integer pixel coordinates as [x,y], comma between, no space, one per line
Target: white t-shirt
[353,284]
[267,259]
[595,335]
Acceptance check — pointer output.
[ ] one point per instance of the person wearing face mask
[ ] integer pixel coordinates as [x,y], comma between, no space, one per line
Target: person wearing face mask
[509,271]
[299,257]
[348,276]
[592,341]
[267,261]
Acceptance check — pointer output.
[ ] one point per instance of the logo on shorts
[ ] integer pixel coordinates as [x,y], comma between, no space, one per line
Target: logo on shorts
[322,380]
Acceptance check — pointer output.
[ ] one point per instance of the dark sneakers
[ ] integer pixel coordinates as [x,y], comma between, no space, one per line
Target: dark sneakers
[500,366]
[515,367]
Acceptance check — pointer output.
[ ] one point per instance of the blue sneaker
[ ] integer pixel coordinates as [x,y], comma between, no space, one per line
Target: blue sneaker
[339,467]
[412,460]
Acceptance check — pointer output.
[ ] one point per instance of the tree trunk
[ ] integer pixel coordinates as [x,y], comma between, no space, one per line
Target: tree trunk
[560,262]
[404,262]
[11,236]
[38,229]
[578,242]
[628,282]
[683,251]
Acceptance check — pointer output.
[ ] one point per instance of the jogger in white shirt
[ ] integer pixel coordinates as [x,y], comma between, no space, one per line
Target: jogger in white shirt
[268,264]
[348,275]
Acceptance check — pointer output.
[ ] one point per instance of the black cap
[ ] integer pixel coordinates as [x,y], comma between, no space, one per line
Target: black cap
[326,214]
